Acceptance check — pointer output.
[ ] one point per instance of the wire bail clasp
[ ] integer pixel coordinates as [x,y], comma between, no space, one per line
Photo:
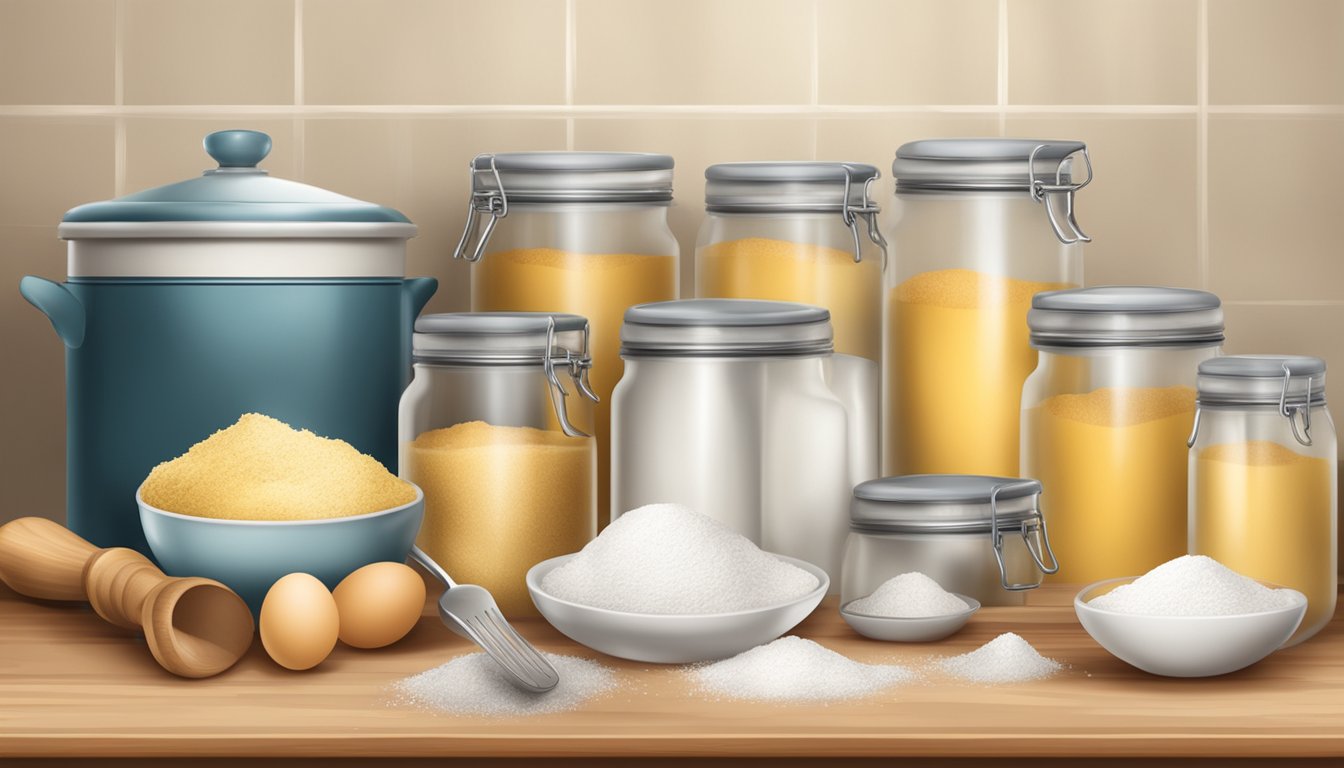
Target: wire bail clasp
[1027,527]
[866,210]
[1068,230]
[577,366]
[1291,411]
[484,203]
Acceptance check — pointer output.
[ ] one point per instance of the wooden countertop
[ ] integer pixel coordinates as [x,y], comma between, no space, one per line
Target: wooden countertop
[74,687]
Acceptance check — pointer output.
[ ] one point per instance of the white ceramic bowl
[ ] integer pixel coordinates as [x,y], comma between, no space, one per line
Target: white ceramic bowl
[921,630]
[672,638]
[1187,646]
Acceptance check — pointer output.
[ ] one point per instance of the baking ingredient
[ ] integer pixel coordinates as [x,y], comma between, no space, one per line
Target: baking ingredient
[909,596]
[781,270]
[263,469]
[669,559]
[958,351]
[499,500]
[1113,463]
[598,286]
[795,669]
[378,604]
[1006,659]
[475,685]
[299,622]
[1269,512]
[1193,585]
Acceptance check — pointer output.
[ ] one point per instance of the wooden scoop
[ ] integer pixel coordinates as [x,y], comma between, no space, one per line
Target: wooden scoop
[195,627]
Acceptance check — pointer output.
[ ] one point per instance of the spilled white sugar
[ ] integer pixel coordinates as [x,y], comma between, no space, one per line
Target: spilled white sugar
[1005,659]
[909,596]
[669,559]
[794,669]
[475,685]
[1193,585]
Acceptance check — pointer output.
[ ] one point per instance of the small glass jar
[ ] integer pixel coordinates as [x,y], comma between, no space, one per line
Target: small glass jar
[1105,416]
[978,227]
[500,444]
[978,536]
[1263,477]
[578,232]
[804,232]
[725,407]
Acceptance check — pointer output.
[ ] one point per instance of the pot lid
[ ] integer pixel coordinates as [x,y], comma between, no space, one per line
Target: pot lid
[236,191]
[1125,315]
[942,503]
[985,164]
[1261,380]
[726,328]
[788,186]
[499,337]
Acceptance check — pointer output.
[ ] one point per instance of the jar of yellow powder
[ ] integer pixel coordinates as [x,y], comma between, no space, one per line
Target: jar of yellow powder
[978,227]
[1263,476]
[804,232]
[1105,417]
[576,232]
[496,429]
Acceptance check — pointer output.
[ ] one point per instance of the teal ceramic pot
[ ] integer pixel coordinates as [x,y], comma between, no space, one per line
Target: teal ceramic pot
[189,305]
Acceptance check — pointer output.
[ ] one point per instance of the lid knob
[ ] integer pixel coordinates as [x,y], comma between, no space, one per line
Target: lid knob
[238,149]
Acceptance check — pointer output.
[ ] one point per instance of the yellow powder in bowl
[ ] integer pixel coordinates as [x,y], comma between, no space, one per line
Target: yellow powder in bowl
[263,469]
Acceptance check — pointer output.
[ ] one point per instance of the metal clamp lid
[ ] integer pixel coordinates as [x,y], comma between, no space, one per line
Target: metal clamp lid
[578,367]
[490,204]
[1025,528]
[1255,380]
[1041,192]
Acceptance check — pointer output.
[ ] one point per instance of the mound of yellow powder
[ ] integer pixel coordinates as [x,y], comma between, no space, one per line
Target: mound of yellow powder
[263,469]
[1122,407]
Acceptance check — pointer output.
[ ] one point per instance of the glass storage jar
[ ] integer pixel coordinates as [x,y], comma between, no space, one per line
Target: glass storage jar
[1105,416]
[500,444]
[1263,477]
[586,233]
[804,232]
[978,227]
[725,407]
[979,536]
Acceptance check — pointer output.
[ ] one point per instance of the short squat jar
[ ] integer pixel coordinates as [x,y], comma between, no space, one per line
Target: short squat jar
[1263,479]
[1105,416]
[495,428]
[975,535]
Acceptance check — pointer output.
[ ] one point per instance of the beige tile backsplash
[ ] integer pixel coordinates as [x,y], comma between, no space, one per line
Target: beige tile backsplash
[1216,126]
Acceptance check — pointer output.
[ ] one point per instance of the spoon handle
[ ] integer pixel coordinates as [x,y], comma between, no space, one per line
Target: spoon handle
[42,559]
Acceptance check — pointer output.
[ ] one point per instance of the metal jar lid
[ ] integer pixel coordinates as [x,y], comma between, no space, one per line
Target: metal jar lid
[1292,383]
[512,338]
[1044,168]
[1125,316]
[726,328]
[798,187]
[557,177]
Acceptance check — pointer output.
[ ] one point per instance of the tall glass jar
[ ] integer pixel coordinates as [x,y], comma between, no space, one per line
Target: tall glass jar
[725,407]
[495,428]
[1105,417]
[979,226]
[1263,477]
[578,232]
[803,232]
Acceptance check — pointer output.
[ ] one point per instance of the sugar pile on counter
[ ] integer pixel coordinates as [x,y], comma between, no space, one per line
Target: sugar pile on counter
[1005,659]
[475,685]
[794,669]
[908,596]
[1193,585]
[668,559]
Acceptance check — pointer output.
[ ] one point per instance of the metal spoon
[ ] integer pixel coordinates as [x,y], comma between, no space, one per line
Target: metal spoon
[470,611]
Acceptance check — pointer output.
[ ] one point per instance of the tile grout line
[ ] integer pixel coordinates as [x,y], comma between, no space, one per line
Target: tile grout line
[119,99]
[550,111]
[299,127]
[1202,145]
[1001,66]
[571,60]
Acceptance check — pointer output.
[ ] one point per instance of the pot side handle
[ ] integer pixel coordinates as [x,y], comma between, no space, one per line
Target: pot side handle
[59,305]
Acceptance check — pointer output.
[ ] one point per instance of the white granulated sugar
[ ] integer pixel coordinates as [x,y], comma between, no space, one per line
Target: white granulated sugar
[794,669]
[476,685]
[668,559]
[1193,585]
[1005,659]
[909,596]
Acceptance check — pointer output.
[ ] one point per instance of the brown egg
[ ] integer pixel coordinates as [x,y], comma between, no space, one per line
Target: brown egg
[299,623]
[379,604]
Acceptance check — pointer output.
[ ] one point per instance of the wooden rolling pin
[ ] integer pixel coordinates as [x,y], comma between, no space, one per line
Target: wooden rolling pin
[195,627]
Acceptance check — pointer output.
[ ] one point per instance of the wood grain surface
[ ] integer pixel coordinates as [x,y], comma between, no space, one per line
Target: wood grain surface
[72,686]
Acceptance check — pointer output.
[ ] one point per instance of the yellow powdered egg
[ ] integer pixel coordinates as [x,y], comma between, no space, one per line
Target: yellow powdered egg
[1267,511]
[781,270]
[262,469]
[299,622]
[958,352]
[598,286]
[379,604]
[499,500]
[1113,463]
